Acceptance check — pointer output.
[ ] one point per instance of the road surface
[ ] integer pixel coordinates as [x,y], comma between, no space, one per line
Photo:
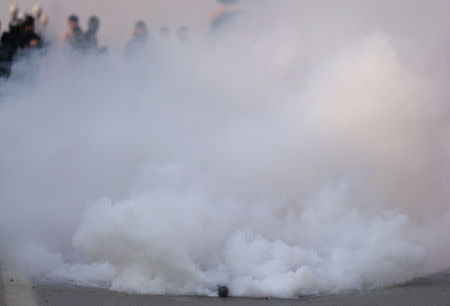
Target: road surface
[433,290]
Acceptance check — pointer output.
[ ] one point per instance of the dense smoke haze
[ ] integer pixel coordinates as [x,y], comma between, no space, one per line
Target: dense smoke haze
[302,151]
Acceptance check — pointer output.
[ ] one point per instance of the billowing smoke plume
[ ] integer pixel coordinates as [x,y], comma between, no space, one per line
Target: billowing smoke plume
[304,151]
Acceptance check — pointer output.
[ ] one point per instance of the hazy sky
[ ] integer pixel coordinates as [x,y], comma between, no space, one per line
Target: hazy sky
[118,16]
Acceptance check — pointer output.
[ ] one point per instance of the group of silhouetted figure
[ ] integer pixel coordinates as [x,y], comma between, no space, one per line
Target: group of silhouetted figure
[76,39]
[23,34]
[27,33]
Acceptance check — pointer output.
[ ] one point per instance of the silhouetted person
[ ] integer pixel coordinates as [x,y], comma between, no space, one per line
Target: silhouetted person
[10,39]
[9,46]
[227,15]
[164,33]
[90,39]
[5,63]
[139,41]
[184,35]
[73,37]
[28,37]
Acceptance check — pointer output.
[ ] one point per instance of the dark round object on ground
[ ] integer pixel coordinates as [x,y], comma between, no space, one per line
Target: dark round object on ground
[223,291]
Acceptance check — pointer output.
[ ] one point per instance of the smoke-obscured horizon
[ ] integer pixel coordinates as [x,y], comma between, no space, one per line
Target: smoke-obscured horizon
[303,151]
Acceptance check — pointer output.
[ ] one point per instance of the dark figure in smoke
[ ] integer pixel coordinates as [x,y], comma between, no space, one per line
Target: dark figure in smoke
[10,39]
[20,37]
[9,46]
[90,37]
[28,37]
[184,35]
[164,33]
[139,41]
[227,15]
[73,37]
[5,64]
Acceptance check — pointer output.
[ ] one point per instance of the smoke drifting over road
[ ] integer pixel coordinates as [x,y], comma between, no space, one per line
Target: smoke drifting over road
[303,152]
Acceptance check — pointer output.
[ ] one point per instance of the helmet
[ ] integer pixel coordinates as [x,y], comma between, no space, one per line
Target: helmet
[29,21]
[141,24]
[140,27]
[73,18]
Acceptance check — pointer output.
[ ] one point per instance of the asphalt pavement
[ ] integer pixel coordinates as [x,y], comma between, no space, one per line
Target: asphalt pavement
[432,290]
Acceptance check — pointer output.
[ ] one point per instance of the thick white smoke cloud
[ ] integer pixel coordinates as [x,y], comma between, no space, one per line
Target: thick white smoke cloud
[288,158]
